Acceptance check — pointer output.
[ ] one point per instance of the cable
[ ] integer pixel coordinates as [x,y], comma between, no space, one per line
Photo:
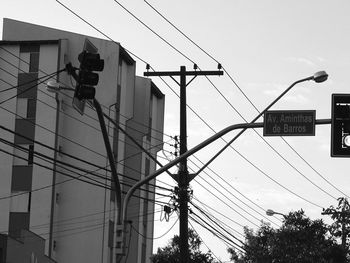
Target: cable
[74,157]
[234,82]
[98,184]
[216,233]
[154,238]
[265,173]
[125,117]
[204,243]
[71,156]
[215,222]
[216,211]
[36,84]
[230,193]
[233,188]
[167,42]
[134,142]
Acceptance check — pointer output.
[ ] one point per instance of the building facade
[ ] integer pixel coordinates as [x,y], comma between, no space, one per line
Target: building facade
[56,175]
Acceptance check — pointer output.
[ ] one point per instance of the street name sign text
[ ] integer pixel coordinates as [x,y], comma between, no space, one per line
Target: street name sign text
[289,123]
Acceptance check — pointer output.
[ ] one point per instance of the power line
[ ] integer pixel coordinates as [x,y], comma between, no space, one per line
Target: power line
[154,238]
[216,223]
[245,158]
[231,194]
[234,82]
[204,243]
[72,156]
[215,232]
[233,188]
[98,184]
[21,59]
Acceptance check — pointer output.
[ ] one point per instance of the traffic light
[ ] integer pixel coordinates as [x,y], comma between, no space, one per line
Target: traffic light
[87,79]
[340,129]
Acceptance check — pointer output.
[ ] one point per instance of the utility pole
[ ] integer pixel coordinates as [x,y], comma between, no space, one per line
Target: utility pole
[183,179]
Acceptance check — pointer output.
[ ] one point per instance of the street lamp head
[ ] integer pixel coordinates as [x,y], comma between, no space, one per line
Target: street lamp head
[270,212]
[320,76]
[56,87]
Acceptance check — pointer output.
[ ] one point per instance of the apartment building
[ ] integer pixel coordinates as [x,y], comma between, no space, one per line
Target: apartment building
[56,180]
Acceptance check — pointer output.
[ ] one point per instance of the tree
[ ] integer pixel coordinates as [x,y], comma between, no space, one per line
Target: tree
[298,240]
[171,252]
[340,228]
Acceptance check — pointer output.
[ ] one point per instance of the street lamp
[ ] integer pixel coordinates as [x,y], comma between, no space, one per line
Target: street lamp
[55,87]
[318,77]
[270,212]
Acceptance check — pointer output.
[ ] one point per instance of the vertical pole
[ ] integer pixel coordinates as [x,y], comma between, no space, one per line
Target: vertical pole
[183,172]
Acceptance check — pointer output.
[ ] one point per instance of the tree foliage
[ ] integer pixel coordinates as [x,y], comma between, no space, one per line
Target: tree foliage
[171,252]
[340,228]
[298,240]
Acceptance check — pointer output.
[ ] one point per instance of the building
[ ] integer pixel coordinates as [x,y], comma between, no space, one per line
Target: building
[53,159]
[29,247]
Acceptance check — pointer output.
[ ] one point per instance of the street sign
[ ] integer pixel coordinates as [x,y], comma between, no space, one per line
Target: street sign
[289,123]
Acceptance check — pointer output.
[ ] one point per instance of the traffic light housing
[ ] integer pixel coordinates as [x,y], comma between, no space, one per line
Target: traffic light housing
[87,78]
[340,129]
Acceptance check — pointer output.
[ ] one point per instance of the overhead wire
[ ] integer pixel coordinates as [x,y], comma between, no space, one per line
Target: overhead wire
[229,193]
[243,93]
[205,243]
[94,183]
[240,154]
[74,157]
[235,189]
[36,124]
[216,223]
[220,221]
[137,145]
[159,237]
[86,114]
[245,158]
[203,223]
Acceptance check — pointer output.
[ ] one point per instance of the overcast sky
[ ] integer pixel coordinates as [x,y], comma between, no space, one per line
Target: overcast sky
[264,45]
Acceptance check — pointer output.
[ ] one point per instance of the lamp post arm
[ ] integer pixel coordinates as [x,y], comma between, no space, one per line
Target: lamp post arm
[185,155]
[280,96]
[180,158]
[254,120]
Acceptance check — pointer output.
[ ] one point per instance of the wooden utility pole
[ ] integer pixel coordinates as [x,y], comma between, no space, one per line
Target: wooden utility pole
[183,175]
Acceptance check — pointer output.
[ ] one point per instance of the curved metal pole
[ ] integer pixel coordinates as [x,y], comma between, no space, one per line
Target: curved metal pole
[179,159]
[254,120]
[185,155]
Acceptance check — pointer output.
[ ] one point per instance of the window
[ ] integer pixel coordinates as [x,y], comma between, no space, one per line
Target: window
[26,128]
[27,85]
[34,62]
[18,221]
[111,233]
[22,178]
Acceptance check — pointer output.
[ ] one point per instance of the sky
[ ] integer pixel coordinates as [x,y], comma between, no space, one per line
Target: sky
[264,46]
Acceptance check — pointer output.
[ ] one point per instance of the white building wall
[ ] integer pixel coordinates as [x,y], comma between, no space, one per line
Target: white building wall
[81,211]
[45,133]
[7,118]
